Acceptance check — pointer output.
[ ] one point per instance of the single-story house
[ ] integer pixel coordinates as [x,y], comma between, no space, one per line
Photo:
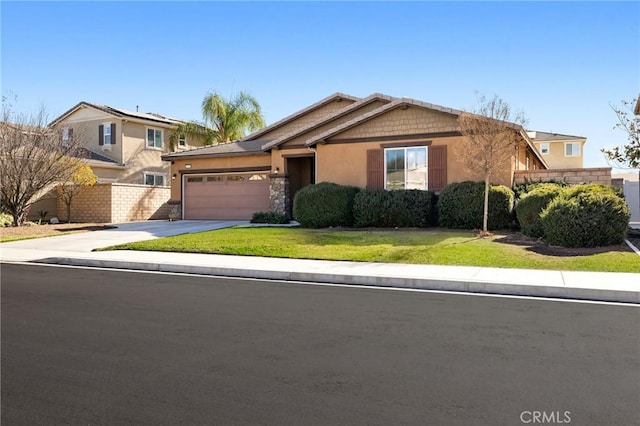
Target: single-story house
[374,142]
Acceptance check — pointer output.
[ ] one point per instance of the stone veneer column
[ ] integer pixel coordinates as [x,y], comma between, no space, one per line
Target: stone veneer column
[279,194]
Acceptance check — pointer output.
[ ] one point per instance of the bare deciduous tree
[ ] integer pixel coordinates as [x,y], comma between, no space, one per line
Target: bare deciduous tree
[33,159]
[629,122]
[492,131]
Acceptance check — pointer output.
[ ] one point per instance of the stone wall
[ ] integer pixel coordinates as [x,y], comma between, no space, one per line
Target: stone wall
[118,202]
[279,194]
[600,175]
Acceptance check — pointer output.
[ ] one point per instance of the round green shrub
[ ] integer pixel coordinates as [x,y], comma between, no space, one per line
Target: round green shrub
[324,204]
[397,208]
[529,207]
[461,206]
[586,216]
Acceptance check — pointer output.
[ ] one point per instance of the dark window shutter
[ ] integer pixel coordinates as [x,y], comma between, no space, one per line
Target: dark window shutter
[113,133]
[70,134]
[437,167]
[101,135]
[375,169]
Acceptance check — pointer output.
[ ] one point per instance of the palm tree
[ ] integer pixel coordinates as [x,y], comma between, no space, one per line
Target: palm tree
[223,120]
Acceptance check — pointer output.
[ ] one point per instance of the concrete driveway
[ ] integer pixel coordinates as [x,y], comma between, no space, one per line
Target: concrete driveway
[123,233]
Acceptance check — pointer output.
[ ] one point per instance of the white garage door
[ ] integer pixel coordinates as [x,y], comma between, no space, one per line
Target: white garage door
[225,196]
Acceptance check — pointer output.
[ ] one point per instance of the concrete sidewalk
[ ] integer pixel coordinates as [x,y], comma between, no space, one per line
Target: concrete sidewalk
[76,250]
[615,287]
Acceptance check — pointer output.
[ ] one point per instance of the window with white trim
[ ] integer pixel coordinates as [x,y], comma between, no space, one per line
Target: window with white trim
[157,179]
[544,148]
[106,135]
[154,138]
[182,140]
[571,149]
[405,168]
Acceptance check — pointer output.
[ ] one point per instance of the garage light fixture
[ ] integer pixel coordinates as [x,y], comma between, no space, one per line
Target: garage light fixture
[276,170]
[173,177]
[187,166]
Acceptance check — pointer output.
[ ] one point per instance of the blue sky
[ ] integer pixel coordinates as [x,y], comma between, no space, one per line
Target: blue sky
[560,63]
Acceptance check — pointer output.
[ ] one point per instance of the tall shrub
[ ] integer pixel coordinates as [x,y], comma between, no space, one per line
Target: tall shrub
[586,216]
[529,207]
[397,208]
[461,206]
[324,204]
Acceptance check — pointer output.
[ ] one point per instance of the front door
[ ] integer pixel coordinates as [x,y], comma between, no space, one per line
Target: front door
[301,171]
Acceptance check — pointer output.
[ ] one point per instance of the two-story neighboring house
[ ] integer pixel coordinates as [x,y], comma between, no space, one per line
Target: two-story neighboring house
[559,151]
[124,149]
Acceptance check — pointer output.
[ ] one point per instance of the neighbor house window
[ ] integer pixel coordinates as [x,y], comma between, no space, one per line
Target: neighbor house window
[406,168]
[544,148]
[154,138]
[106,140]
[182,140]
[154,179]
[572,149]
[66,135]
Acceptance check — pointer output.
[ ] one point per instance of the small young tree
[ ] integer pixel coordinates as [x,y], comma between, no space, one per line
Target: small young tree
[492,131]
[33,159]
[83,177]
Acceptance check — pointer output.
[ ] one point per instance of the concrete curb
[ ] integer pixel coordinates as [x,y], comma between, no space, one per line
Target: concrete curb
[467,285]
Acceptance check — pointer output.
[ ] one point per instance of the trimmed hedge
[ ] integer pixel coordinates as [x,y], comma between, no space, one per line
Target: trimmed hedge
[586,216]
[522,189]
[461,206]
[269,217]
[324,204]
[399,208]
[529,207]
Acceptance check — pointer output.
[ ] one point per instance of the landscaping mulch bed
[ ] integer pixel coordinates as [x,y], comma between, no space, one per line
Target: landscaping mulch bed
[538,246]
[32,231]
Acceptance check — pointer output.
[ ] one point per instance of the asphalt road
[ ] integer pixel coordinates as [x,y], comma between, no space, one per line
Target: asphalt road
[95,347]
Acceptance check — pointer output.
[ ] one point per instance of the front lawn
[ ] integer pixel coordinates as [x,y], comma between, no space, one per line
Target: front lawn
[30,231]
[432,246]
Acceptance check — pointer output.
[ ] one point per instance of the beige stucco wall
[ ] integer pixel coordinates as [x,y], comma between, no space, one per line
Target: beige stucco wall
[306,119]
[220,163]
[556,158]
[88,132]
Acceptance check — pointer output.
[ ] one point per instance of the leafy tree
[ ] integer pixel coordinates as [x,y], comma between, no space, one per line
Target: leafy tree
[629,122]
[492,131]
[83,177]
[33,159]
[224,120]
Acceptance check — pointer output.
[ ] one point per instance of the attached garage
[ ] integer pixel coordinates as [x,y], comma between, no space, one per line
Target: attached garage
[225,196]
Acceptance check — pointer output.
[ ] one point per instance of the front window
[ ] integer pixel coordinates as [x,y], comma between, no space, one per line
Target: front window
[406,168]
[154,179]
[154,138]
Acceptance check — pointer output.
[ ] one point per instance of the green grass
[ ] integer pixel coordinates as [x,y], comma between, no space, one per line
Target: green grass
[441,247]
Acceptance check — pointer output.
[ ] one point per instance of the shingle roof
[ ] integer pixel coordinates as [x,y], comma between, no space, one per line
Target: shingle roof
[323,121]
[292,117]
[120,113]
[230,148]
[545,136]
[90,155]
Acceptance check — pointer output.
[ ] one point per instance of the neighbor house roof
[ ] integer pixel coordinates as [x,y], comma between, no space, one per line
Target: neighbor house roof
[118,112]
[537,136]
